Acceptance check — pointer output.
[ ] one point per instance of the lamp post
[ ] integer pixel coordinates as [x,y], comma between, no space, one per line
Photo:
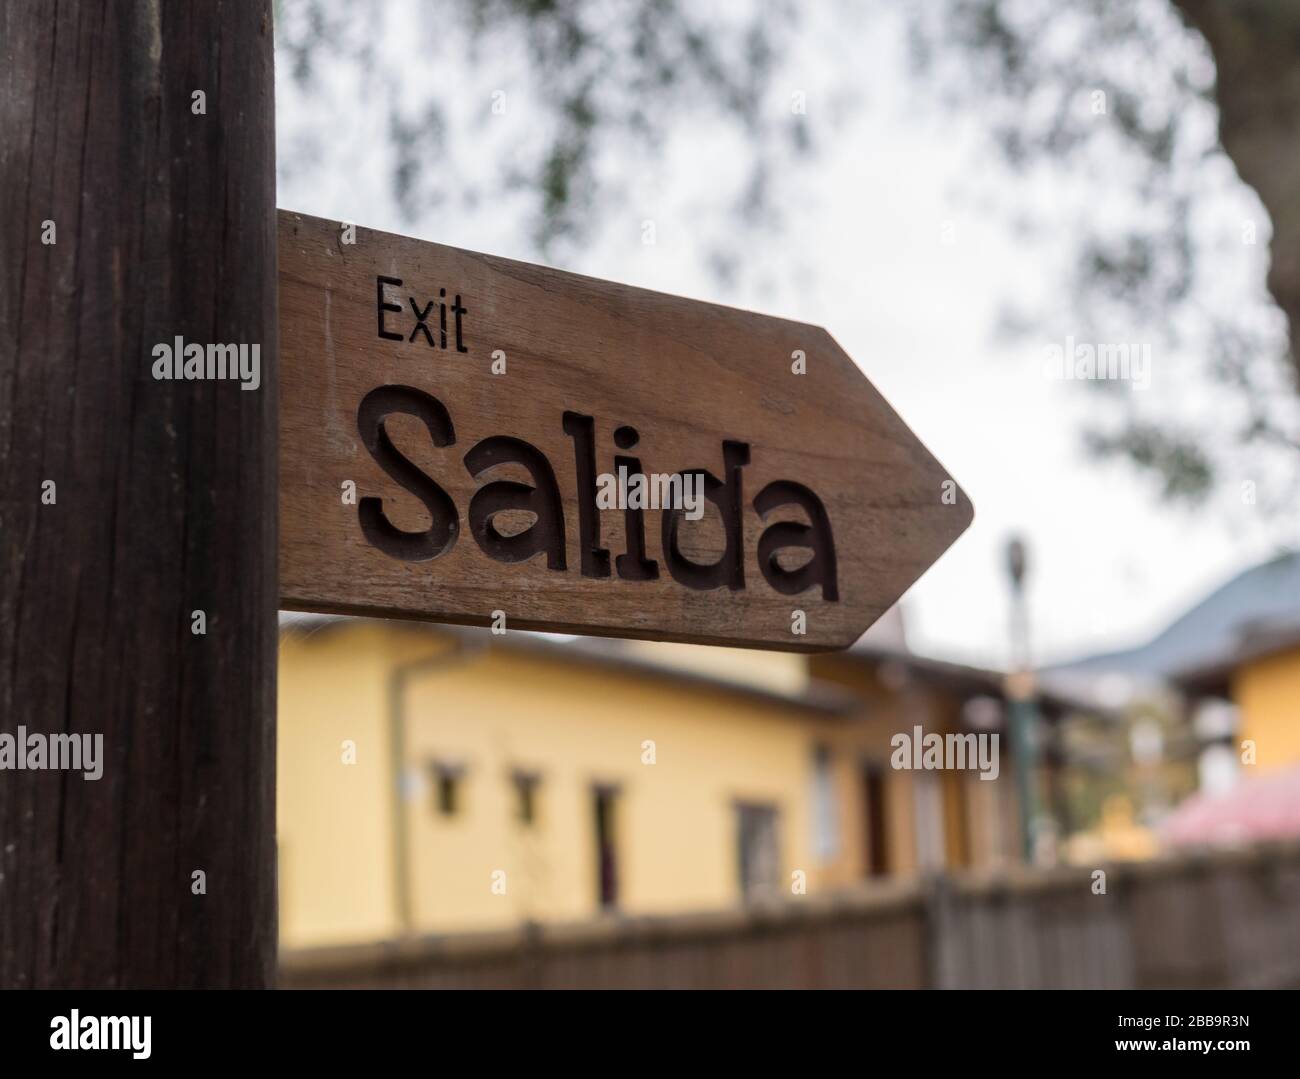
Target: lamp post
[1021,714]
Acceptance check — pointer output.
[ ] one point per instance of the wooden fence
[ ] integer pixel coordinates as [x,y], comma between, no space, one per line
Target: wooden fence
[1221,920]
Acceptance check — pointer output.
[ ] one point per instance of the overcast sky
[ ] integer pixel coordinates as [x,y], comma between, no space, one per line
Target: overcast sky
[889,241]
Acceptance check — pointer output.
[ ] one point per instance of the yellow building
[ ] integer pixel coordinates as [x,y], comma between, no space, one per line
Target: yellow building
[435,779]
[1247,652]
[1266,689]
[1234,660]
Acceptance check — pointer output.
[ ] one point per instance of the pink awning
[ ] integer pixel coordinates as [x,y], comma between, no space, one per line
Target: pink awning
[1260,807]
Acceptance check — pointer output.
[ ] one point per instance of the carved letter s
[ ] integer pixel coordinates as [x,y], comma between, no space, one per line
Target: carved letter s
[440,537]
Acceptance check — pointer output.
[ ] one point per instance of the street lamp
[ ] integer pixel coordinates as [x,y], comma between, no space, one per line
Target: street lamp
[1021,714]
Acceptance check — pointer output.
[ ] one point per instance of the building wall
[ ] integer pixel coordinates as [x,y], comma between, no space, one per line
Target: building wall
[489,714]
[495,710]
[578,728]
[913,802]
[967,821]
[1267,693]
[333,818]
[855,745]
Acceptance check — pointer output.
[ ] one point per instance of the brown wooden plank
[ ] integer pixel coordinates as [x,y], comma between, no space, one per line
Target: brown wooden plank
[687,376]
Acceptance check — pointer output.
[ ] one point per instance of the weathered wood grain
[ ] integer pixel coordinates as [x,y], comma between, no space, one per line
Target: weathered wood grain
[165,493]
[687,376]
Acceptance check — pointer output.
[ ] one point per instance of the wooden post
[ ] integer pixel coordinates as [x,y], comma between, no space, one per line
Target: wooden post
[137,205]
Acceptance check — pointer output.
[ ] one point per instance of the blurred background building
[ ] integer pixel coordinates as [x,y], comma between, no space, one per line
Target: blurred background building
[435,779]
[442,783]
[1213,706]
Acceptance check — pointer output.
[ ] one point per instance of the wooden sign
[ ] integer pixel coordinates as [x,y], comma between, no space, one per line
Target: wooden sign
[469,439]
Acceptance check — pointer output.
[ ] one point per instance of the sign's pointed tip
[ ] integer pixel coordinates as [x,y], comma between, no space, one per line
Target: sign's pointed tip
[965,510]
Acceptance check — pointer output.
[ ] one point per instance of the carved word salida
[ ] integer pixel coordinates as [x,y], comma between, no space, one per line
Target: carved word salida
[547,533]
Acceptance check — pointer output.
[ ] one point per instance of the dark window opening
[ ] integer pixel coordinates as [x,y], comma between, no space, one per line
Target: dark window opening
[447,795]
[447,789]
[605,799]
[875,858]
[525,785]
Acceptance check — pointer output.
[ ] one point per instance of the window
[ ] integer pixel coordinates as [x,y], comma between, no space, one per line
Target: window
[604,802]
[525,786]
[875,858]
[825,813]
[756,849]
[447,788]
[931,844]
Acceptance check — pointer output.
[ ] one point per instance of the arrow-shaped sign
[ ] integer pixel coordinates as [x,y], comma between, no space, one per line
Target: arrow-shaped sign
[468,439]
